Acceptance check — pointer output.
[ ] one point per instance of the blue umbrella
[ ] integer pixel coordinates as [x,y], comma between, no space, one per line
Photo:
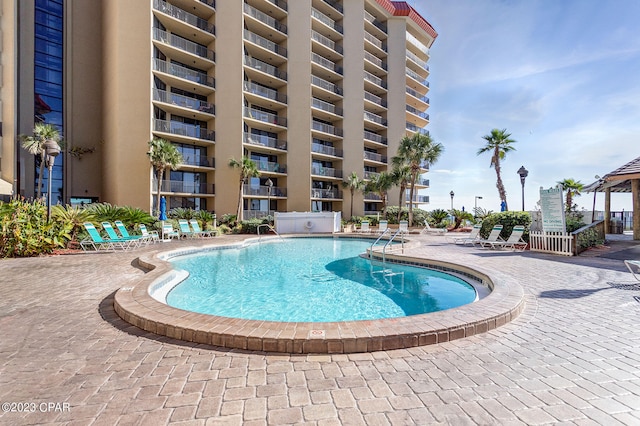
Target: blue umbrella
[163,209]
[503,206]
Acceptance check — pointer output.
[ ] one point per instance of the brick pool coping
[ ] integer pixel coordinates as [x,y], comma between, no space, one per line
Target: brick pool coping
[136,306]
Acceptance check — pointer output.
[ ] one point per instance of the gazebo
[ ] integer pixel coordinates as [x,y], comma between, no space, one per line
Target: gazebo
[623,179]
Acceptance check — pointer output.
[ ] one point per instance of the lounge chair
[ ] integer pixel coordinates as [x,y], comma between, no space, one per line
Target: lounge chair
[471,238]
[113,236]
[364,227]
[185,230]
[493,237]
[199,232]
[98,243]
[514,241]
[434,231]
[152,235]
[125,234]
[382,226]
[403,227]
[168,232]
[633,264]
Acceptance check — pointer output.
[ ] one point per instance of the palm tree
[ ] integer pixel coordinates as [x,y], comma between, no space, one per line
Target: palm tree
[353,183]
[417,152]
[498,143]
[401,174]
[380,184]
[573,189]
[35,145]
[163,154]
[248,169]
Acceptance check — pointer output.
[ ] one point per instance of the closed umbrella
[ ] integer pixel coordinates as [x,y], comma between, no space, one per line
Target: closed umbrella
[163,209]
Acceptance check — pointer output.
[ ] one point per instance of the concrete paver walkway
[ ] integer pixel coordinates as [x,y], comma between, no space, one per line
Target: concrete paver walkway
[572,357]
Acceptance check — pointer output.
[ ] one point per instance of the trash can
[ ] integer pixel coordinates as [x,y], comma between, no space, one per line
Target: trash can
[615,227]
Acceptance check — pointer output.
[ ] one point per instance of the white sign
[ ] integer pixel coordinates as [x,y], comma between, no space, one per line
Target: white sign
[552,206]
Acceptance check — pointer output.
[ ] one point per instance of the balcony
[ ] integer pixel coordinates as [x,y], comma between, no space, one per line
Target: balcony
[417,95]
[368,174]
[372,196]
[375,99]
[264,92]
[198,161]
[375,157]
[418,199]
[263,191]
[422,182]
[375,60]
[374,137]
[375,42]
[184,130]
[417,44]
[326,85]
[264,43]
[325,128]
[184,187]
[414,58]
[265,117]
[183,44]
[266,141]
[326,41]
[264,18]
[264,67]
[417,77]
[282,4]
[417,112]
[412,127]
[184,73]
[375,80]
[321,17]
[326,106]
[183,16]
[324,62]
[374,118]
[326,150]
[326,193]
[372,20]
[270,167]
[180,101]
[334,4]
[325,171]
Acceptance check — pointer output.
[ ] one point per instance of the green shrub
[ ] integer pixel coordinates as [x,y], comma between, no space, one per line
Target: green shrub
[508,220]
[25,231]
[251,226]
[437,218]
[223,229]
[75,215]
[105,212]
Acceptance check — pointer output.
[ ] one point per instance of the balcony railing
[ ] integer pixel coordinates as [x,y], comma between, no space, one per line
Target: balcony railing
[317,81]
[326,41]
[417,43]
[263,191]
[210,3]
[282,4]
[334,4]
[326,106]
[198,161]
[261,140]
[375,80]
[326,20]
[184,16]
[375,41]
[263,42]
[183,129]
[368,174]
[186,187]
[372,19]
[265,117]
[369,116]
[325,171]
[423,182]
[418,198]
[315,58]
[268,166]
[265,92]
[326,193]
[417,95]
[375,157]
[324,149]
[414,128]
[417,112]
[375,99]
[182,72]
[257,64]
[370,136]
[372,196]
[375,60]
[321,127]
[264,18]
[412,56]
[417,77]
[183,101]
[183,44]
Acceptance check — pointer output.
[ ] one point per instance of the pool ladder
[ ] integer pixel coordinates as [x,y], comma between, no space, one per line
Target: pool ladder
[386,272]
[270,228]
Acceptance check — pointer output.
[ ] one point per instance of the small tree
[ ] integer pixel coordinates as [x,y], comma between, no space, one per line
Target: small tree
[573,188]
[35,145]
[380,184]
[353,183]
[401,174]
[163,154]
[248,169]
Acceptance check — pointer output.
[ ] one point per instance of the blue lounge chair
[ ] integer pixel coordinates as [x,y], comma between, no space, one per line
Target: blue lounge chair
[113,236]
[125,234]
[98,243]
[185,229]
[199,232]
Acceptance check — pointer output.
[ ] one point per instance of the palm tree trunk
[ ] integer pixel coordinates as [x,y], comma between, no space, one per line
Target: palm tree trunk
[414,176]
[383,197]
[403,189]
[160,176]
[239,215]
[501,191]
[41,177]
[351,191]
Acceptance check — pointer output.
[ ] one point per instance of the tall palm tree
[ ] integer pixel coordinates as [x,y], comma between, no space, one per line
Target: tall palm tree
[417,152]
[163,154]
[573,189]
[353,183]
[35,145]
[248,169]
[498,144]
[380,184]
[401,174]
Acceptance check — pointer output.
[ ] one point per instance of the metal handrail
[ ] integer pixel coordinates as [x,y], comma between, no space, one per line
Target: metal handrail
[384,249]
[376,242]
[271,228]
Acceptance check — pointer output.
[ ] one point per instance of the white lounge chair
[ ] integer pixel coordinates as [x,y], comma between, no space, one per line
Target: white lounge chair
[470,238]
[151,235]
[493,237]
[382,226]
[514,241]
[364,227]
[633,264]
[433,231]
[403,227]
[168,232]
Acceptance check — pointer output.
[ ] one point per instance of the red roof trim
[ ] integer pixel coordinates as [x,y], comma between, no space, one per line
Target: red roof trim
[402,8]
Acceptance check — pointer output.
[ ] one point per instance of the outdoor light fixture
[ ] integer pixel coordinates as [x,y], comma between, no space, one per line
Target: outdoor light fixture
[595,192]
[478,197]
[51,151]
[269,184]
[523,175]
[452,195]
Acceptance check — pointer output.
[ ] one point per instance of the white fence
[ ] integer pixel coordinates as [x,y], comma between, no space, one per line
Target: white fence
[552,242]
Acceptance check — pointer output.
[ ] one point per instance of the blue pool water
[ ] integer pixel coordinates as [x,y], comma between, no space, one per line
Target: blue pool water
[310,280]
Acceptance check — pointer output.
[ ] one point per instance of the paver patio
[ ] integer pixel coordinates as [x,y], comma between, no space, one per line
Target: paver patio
[571,357]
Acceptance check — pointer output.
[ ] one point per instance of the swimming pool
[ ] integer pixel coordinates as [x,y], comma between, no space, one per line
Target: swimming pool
[310,280]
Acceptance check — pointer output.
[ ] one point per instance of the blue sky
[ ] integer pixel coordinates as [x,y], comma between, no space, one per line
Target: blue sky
[562,76]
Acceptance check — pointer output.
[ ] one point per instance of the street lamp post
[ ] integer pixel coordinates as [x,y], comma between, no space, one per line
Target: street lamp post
[523,175]
[478,197]
[452,195]
[51,151]
[593,211]
[269,184]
